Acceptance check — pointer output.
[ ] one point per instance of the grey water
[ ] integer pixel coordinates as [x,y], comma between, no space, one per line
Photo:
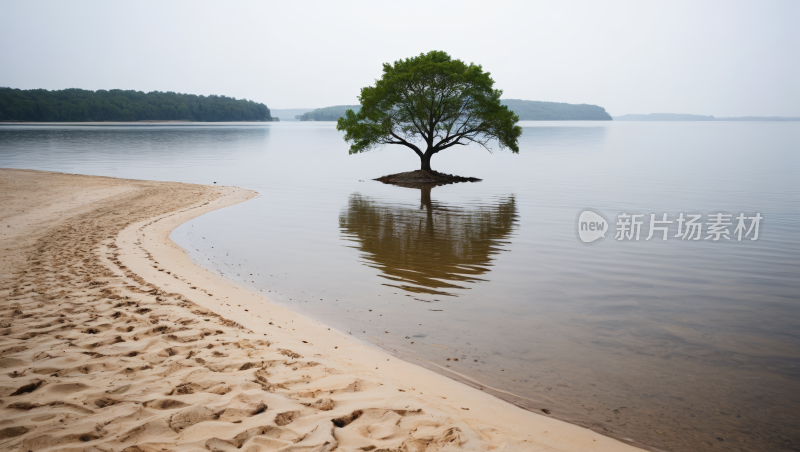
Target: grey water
[680,345]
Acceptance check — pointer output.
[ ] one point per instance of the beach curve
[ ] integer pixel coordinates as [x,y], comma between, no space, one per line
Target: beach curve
[111,338]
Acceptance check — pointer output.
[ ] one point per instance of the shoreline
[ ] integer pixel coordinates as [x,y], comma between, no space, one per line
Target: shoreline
[146,122]
[146,318]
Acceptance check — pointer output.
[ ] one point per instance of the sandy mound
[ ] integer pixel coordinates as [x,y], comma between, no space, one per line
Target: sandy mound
[424,177]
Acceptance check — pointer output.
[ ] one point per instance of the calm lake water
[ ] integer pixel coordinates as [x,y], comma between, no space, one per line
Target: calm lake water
[680,345]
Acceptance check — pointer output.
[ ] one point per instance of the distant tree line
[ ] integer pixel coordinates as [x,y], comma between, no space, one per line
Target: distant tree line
[327,113]
[528,110]
[77,105]
[664,117]
[688,117]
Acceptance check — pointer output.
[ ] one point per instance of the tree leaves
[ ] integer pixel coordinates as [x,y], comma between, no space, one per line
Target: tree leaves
[430,103]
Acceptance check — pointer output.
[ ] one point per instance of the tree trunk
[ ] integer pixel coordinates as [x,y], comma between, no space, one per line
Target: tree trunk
[426,162]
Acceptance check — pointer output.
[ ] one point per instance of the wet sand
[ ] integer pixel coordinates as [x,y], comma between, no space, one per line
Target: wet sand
[111,339]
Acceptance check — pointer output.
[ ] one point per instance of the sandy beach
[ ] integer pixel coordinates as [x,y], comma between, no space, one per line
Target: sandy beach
[111,339]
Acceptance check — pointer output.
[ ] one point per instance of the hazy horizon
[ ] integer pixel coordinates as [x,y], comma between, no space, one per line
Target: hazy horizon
[712,58]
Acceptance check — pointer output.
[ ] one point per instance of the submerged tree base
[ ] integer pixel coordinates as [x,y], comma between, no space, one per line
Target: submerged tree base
[423,177]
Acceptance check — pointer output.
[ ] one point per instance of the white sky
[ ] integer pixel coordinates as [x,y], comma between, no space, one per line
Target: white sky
[722,58]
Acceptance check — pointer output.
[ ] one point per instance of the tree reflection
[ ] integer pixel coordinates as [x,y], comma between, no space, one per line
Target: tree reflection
[430,250]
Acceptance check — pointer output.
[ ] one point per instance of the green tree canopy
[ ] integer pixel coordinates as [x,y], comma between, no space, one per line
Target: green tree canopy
[430,103]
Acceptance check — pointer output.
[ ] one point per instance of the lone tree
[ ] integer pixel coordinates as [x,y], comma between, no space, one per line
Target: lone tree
[430,103]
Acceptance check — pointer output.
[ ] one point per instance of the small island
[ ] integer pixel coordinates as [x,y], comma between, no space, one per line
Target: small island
[534,110]
[327,113]
[422,178]
[527,110]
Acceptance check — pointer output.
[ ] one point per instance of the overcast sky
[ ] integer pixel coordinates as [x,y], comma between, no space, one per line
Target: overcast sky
[722,58]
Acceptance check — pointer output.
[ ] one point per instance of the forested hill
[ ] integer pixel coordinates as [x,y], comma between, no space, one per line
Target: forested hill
[534,110]
[77,105]
[327,113]
[528,110]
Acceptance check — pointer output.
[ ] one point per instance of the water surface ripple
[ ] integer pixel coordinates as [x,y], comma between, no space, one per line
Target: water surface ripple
[683,346]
